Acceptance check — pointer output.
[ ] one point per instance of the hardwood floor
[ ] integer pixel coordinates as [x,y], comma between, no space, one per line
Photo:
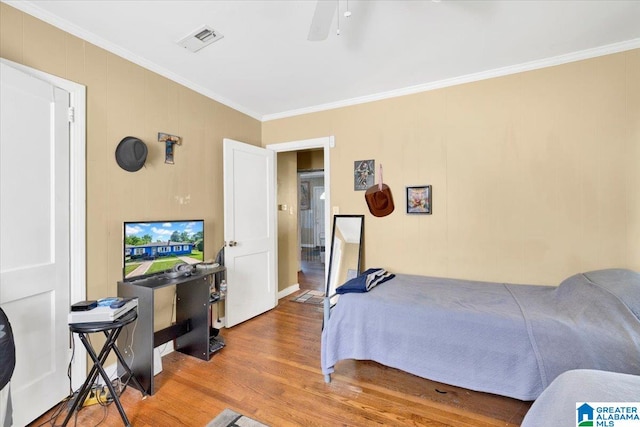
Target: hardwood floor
[270,371]
[311,276]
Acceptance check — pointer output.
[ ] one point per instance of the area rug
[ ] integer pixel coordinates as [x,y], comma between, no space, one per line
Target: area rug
[310,297]
[229,418]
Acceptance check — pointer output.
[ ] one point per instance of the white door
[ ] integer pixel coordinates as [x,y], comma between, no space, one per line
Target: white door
[249,231]
[34,243]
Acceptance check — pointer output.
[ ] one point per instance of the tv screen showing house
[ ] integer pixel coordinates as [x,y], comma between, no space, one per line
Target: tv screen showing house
[154,247]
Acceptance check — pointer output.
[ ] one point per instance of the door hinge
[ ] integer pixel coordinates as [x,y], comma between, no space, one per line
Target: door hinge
[72,115]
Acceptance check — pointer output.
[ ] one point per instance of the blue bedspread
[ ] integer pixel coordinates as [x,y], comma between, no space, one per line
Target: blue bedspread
[556,406]
[506,339]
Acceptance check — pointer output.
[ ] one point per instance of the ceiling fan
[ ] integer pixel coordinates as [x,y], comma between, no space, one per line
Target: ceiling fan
[322,18]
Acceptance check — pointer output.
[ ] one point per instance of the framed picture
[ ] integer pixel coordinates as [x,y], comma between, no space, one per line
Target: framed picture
[419,200]
[363,174]
[305,201]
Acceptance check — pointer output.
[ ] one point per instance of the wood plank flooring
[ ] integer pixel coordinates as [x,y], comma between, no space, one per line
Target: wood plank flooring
[270,371]
[311,276]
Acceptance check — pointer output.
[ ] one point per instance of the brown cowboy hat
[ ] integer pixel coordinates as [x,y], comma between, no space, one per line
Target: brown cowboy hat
[379,200]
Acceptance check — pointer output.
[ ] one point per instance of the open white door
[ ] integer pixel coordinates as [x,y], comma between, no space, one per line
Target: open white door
[250,231]
[35,237]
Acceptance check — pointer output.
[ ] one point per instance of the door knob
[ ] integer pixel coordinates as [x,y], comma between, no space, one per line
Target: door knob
[233,243]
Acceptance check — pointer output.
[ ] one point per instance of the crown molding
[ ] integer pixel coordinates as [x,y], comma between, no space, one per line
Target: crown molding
[35,11]
[489,74]
[31,9]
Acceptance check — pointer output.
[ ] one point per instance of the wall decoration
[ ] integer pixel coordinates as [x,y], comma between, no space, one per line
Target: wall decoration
[419,200]
[363,174]
[170,141]
[131,154]
[305,199]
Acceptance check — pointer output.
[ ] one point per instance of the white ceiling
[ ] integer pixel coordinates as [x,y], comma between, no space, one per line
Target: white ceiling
[265,66]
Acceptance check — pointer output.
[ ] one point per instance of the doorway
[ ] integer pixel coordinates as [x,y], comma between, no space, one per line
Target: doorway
[311,229]
[288,245]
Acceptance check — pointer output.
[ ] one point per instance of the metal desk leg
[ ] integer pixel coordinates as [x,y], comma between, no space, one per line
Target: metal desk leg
[98,361]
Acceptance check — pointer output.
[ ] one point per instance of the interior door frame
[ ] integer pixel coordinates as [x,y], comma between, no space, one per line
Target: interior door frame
[326,143]
[77,201]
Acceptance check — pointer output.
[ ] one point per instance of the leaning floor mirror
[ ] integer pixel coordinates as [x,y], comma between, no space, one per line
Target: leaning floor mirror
[346,252]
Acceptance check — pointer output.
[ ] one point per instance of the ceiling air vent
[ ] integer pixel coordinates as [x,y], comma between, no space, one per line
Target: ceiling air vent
[200,38]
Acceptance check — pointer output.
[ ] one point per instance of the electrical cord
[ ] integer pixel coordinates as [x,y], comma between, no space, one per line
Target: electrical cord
[105,411]
[52,419]
[73,356]
[54,416]
[96,391]
[129,348]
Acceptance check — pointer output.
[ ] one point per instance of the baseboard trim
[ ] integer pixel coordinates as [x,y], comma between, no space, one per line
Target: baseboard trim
[288,291]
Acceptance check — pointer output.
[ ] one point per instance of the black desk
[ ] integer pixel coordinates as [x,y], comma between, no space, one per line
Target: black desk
[193,321]
[111,331]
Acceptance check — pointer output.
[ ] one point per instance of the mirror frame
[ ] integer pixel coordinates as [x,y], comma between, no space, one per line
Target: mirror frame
[331,292]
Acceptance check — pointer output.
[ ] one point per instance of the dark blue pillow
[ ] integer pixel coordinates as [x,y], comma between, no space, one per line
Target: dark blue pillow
[366,281]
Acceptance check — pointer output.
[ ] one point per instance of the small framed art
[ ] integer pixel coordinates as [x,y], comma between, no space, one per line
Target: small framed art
[305,197]
[419,200]
[363,174]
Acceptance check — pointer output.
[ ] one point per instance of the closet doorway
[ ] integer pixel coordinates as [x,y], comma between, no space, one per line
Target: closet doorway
[311,228]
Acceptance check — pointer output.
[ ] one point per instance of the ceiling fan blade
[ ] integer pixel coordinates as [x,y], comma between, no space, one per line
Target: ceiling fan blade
[322,17]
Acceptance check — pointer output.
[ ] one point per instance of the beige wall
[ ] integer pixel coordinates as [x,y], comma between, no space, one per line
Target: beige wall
[290,219]
[633,159]
[535,175]
[289,254]
[287,194]
[125,99]
[310,159]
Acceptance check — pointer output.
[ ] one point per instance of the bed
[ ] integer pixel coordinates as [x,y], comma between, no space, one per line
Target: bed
[507,339]
[558,404]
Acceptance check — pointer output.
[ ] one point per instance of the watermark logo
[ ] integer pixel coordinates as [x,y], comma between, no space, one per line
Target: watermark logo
[608,414]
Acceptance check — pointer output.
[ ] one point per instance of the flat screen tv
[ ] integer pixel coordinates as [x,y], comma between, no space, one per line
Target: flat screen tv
[155,247]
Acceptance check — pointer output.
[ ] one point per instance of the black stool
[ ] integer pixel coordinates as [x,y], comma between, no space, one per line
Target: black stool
[111,331]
